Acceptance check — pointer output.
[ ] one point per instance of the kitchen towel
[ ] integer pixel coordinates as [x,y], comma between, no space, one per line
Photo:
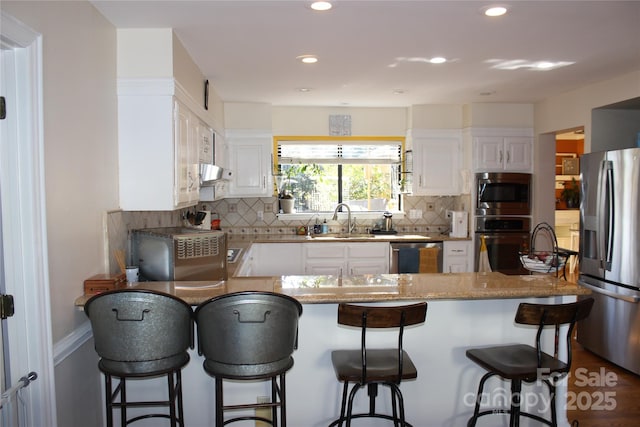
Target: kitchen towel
[484,266]
[408,260]
[428,260]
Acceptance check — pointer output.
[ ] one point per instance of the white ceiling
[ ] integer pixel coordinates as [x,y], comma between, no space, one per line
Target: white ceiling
[248,49]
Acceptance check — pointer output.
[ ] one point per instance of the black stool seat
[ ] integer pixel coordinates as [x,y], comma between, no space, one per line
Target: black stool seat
[520,363]
[382,365]
[378,366]
[515,361]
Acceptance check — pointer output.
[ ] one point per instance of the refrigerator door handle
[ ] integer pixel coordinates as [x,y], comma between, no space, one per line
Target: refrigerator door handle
[628,298]
[610,214]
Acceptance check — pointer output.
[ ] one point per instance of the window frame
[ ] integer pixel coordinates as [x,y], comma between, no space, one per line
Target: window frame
[277,140]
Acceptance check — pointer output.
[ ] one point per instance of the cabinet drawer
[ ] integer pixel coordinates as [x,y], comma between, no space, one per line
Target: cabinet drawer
[368,250]
[456,248]
[324,250]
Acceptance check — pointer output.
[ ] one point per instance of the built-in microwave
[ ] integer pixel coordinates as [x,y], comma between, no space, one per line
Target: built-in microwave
[503,193]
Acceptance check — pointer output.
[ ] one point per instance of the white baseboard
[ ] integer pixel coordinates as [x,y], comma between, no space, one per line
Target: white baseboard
[67,345]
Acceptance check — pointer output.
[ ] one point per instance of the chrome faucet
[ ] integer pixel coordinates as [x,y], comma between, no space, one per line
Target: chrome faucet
[335,216]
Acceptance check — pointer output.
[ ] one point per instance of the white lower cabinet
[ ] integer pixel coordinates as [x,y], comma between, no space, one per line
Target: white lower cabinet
[346,258]
[457,257]
[276,259]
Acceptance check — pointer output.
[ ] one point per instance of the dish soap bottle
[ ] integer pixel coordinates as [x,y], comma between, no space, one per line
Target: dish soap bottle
[325,227]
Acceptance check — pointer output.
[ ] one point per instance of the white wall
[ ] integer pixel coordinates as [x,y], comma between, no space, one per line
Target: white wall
[79,128]
[571,110]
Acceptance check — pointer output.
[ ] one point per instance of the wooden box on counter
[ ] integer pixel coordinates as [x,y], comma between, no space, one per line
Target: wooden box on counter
[104,282]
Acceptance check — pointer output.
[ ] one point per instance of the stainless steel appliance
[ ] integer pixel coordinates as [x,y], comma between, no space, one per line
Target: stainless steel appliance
[505,237]
[177,253]
[499,193]
[610,254]
[405,256]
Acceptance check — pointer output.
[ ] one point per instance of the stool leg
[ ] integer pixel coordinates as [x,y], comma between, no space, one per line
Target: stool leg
[352,394]
[219,414]
[108,399]
[123,402]
[474,419]
[172,399]
[516,389]
[180,402]
[372,391]
[554,416]
[283,403]
[395,390]
[343,405]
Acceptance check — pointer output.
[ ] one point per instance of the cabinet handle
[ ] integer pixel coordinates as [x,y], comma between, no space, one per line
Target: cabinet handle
[420,180]
[190,181]
[508,157]
[264,182]
[501,156]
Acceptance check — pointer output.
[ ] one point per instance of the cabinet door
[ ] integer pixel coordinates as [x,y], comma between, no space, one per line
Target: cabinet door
[457,257]
[517,153]
[436,163]
[186,186]
[489,153]
[329,267]
[373,266]
[250,164]
[276,259]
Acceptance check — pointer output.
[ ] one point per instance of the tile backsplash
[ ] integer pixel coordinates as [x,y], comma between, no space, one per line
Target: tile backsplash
[259,216]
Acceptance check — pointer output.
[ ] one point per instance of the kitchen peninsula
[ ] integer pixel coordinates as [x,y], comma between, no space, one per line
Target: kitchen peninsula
[465,310]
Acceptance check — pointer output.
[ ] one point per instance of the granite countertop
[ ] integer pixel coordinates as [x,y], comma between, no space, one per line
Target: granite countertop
[340,237]
[375,288]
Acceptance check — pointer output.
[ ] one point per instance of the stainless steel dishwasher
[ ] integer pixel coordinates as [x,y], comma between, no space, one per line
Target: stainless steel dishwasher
[405,256]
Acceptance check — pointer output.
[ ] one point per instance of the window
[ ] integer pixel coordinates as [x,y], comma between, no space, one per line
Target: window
[320,172]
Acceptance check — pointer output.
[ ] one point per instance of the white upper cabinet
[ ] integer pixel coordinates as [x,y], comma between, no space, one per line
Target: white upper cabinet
[250,156]
[500,150]
[158,148]
[437,160]
[188,136]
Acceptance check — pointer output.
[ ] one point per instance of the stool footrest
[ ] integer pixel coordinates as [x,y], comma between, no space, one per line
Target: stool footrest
[368,415]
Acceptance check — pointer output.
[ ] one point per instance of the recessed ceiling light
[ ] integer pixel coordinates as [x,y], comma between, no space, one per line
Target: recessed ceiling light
[304,89]
[399,91]
[438,60]
[307,59]
[495,11]
[321,5]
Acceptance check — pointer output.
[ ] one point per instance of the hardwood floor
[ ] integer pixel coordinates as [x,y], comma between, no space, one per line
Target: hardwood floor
[601,393]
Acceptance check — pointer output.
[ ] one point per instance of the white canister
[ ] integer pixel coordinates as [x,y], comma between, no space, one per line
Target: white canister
[133,273]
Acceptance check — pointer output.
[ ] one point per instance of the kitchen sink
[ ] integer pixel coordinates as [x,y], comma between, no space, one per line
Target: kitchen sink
[332,236]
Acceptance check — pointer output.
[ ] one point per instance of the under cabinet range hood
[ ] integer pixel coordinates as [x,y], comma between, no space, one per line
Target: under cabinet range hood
[209,174]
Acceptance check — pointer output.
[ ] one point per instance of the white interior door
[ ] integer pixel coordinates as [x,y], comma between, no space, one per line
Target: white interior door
[26,335]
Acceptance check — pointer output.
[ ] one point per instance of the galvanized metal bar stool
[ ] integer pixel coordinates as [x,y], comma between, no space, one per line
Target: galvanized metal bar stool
[520,363]
[141,334]
[249,336]
[374,367]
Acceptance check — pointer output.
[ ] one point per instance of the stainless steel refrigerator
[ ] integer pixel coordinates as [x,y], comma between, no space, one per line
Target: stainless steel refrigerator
[610,254]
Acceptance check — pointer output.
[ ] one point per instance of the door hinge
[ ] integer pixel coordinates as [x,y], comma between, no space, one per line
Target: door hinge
[6,306]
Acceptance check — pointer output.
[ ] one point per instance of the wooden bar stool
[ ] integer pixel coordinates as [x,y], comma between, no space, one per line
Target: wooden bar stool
[141,334]
[248,336]
[374,367]
[520,363]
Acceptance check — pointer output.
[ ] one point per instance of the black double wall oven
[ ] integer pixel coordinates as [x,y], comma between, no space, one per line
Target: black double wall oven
[503,218]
